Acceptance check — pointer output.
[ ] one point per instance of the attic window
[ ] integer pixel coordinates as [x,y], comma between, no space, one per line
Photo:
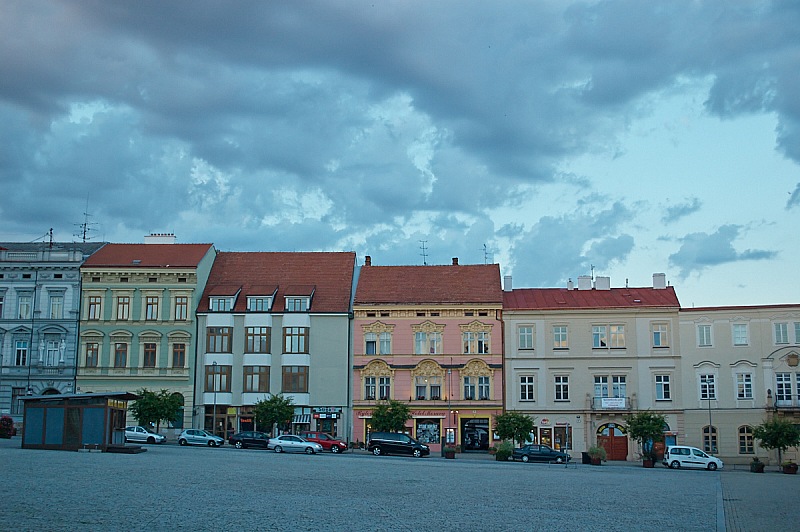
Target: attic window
[421,314]
[221,304]
[384,314]
[58,276]
[484,313]
[26,276]
[371,314]
[152,279]
[123,279]
[259,304]
[297,304]
[181,279]
[95,279]
[469,313]
[434,313]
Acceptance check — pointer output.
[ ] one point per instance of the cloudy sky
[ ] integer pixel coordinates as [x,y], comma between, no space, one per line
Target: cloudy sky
[557,138]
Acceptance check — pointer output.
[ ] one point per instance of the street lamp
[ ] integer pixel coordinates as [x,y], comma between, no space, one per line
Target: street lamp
[214,384]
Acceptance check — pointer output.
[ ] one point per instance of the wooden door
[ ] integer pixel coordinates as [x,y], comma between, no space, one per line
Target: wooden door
[616,446]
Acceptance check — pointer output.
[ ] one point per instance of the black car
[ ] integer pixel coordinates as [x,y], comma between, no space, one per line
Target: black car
[396,443]
[540,453]
[249,439]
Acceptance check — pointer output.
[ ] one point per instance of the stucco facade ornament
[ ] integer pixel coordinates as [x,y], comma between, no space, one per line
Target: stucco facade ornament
[427,326]
[377,368]
[377,327]
[476,368]
[475,326]
[428,368]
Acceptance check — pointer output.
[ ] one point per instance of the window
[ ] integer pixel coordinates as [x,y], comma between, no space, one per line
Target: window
[781,333]
[427,387]
[256,379]
[221,304]
[92,354]
[660,335]
[149,355]
[704,335]
[295,339]
[560,337]
[618,386]
[123,307]
[739,334]
[469,388]
[258,304]
[17,405]
[296,304]
[617,336]
[56,307]
[746,440]
[796,325]
[178,355]
[427,343]
[475,342]
[120,355]
[295,379]
[218,378]
[385,343]
[599,339]
[257,339]
[181,308]
[707,387]
[95,307]
[710,439]
[52,351]
[24,304]
[371,344]
[483,388]
[662,388]
[562,387]
[21,353]
[600,386]
[525,335]
[369,388]
[744,386]
[151,308]
[385,387]
[218,340]
[526,388]
[2,300]
[783,388]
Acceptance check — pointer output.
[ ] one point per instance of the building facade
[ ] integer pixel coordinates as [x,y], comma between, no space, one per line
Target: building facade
[740,369]
[39,306]
[272,323]
[137,324]
[430,336]
[578,359]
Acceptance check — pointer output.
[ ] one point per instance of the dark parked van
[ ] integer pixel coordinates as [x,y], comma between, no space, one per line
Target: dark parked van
[395,443]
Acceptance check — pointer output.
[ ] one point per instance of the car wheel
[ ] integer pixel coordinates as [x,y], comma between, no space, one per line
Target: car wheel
[712,466]
[417,453]
[278,449]
[376,451]
[309,450]
[182,442]
[560,460]
[238,445]
[151,439]
[525,458]
[212,443]
[674,464]
[334,448]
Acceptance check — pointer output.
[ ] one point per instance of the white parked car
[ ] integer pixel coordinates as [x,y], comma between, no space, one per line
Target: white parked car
[677,456]
[289,443]
[199,437]
[142,435]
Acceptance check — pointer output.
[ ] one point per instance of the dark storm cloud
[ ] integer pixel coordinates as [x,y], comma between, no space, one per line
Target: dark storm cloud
[699,251]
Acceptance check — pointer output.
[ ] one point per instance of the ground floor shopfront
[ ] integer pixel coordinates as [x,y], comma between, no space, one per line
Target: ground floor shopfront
[225,420]
[470,430]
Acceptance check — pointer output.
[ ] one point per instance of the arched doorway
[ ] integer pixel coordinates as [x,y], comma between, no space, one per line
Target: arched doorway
[613,437]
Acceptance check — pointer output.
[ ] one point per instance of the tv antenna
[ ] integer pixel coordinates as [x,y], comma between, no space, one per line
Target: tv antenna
[86,228]
[424,252]
[487,255]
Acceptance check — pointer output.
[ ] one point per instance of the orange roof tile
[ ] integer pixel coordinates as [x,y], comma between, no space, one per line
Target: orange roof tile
[455,284]
[148,256]
[563,298]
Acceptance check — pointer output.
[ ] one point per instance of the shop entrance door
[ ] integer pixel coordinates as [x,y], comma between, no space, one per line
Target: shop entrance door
[475,434]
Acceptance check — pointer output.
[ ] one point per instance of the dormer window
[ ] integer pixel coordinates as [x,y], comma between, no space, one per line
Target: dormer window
[221,304]
[297,304]
[259,304]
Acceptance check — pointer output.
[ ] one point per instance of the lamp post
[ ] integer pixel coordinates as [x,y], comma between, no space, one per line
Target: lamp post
[214,384]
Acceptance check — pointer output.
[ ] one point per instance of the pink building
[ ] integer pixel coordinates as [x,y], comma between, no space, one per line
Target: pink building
[430,336]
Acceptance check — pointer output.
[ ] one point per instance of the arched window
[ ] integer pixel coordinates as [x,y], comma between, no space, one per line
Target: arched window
[710,439]
[746,440]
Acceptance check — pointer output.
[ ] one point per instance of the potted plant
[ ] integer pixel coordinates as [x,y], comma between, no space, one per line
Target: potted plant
[647,428]
[6,427]
[450,452]
[756,466]
[504,451]
[596,454]
[492,450]
[789,467]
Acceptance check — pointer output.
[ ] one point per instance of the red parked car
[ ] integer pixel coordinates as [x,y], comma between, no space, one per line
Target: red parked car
[328,442]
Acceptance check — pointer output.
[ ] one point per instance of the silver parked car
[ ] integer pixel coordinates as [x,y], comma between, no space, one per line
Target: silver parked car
[290,443]
[140,434]
[199,437]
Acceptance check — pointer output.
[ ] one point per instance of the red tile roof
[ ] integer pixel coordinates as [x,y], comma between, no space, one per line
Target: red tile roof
[148,256]
[468,284]
[562,298]
[328,274]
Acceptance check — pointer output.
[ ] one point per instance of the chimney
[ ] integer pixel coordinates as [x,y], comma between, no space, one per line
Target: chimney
[570,284]
[659,281]
[507,286]
[455,261]
[367,261]
[584,282]
[160,238]
[602,283]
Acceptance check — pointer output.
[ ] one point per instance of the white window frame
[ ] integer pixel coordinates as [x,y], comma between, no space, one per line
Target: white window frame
[558,341]
[704,338]
[525,337]
[740,334]
[660,335]
[561,388]
[781,332]
[707,386]
[744,386]
[663,387]
[527,388]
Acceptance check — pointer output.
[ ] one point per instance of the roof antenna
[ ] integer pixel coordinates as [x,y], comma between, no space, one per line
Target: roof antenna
[424,254]
[86,227]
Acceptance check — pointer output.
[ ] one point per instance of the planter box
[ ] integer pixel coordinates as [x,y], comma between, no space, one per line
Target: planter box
[790,469]
[648,463]
[757,467]
[595,461]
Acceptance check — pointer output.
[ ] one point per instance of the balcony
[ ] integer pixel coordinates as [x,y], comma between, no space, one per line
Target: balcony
[611,403]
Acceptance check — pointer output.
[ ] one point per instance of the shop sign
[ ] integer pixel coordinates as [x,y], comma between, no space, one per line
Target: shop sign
[326,416]
[327,410]
[544,422]
[612,402]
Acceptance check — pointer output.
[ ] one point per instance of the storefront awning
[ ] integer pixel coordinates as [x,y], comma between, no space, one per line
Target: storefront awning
[301,418]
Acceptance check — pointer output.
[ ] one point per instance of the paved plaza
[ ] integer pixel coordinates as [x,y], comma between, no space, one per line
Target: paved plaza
[176,488]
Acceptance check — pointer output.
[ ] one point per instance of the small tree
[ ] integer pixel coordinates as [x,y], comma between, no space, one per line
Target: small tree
[777,433]
[647,428]
[514,426]
[276,410]
[152,407]
[390,416]
[6,427]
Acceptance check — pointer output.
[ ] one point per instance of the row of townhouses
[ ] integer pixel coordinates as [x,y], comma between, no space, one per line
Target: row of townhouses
[223,330]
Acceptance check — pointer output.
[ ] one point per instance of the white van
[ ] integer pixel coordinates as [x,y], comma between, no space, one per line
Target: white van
[677,456]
